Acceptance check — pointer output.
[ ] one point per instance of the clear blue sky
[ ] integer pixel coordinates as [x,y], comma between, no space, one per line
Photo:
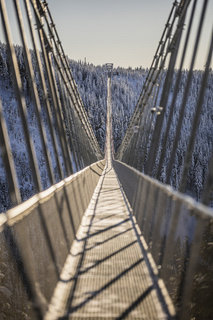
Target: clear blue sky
[125,32]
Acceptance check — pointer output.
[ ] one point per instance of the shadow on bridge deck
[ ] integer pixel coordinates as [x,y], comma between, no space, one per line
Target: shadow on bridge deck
[107,273]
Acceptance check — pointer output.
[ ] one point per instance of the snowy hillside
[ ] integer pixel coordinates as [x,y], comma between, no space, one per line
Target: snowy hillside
[126,87]
[92,85]
[203,149]
[91,81]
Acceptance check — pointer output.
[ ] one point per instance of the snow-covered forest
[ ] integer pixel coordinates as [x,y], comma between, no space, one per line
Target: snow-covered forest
[203,149]
[126,87]
[92,85]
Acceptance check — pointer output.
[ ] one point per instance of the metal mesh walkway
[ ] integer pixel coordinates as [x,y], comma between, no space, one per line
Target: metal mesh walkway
[106,275]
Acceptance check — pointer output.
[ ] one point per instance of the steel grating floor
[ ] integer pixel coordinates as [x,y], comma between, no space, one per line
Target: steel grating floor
[106,275]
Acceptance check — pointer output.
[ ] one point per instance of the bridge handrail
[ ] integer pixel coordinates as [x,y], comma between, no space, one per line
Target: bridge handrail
[177,231]
[36,237]
[43,11]
[67,138]
[153,76]
[162,113]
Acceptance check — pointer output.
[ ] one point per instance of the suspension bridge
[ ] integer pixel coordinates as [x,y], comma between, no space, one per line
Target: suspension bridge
[108,239]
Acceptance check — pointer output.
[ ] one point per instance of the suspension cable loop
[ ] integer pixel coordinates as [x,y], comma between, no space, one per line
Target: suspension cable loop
[20,99]
[62,56]
[58,66]
[186,93]
[177,84]
[151,83]
[86,125]
[165,93]
[53,72]
[141,131]
[161,40]
[145,142]
[65,115]
[66,105]
[75,129]
[195,124]
[157,79]
[145,125]
[53,30]
[139,111]
[54,104]
[66,68]
[45,99]
[62,118]
[60,132]
[7,156]
[148,85]
[34,92]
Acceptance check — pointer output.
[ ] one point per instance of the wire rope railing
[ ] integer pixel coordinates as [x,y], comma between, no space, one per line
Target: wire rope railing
[45,139]
[53,125]
[172,101]
[66,139]
[169,142]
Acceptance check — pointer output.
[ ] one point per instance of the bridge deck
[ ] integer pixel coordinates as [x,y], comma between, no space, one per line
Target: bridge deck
[106,275]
